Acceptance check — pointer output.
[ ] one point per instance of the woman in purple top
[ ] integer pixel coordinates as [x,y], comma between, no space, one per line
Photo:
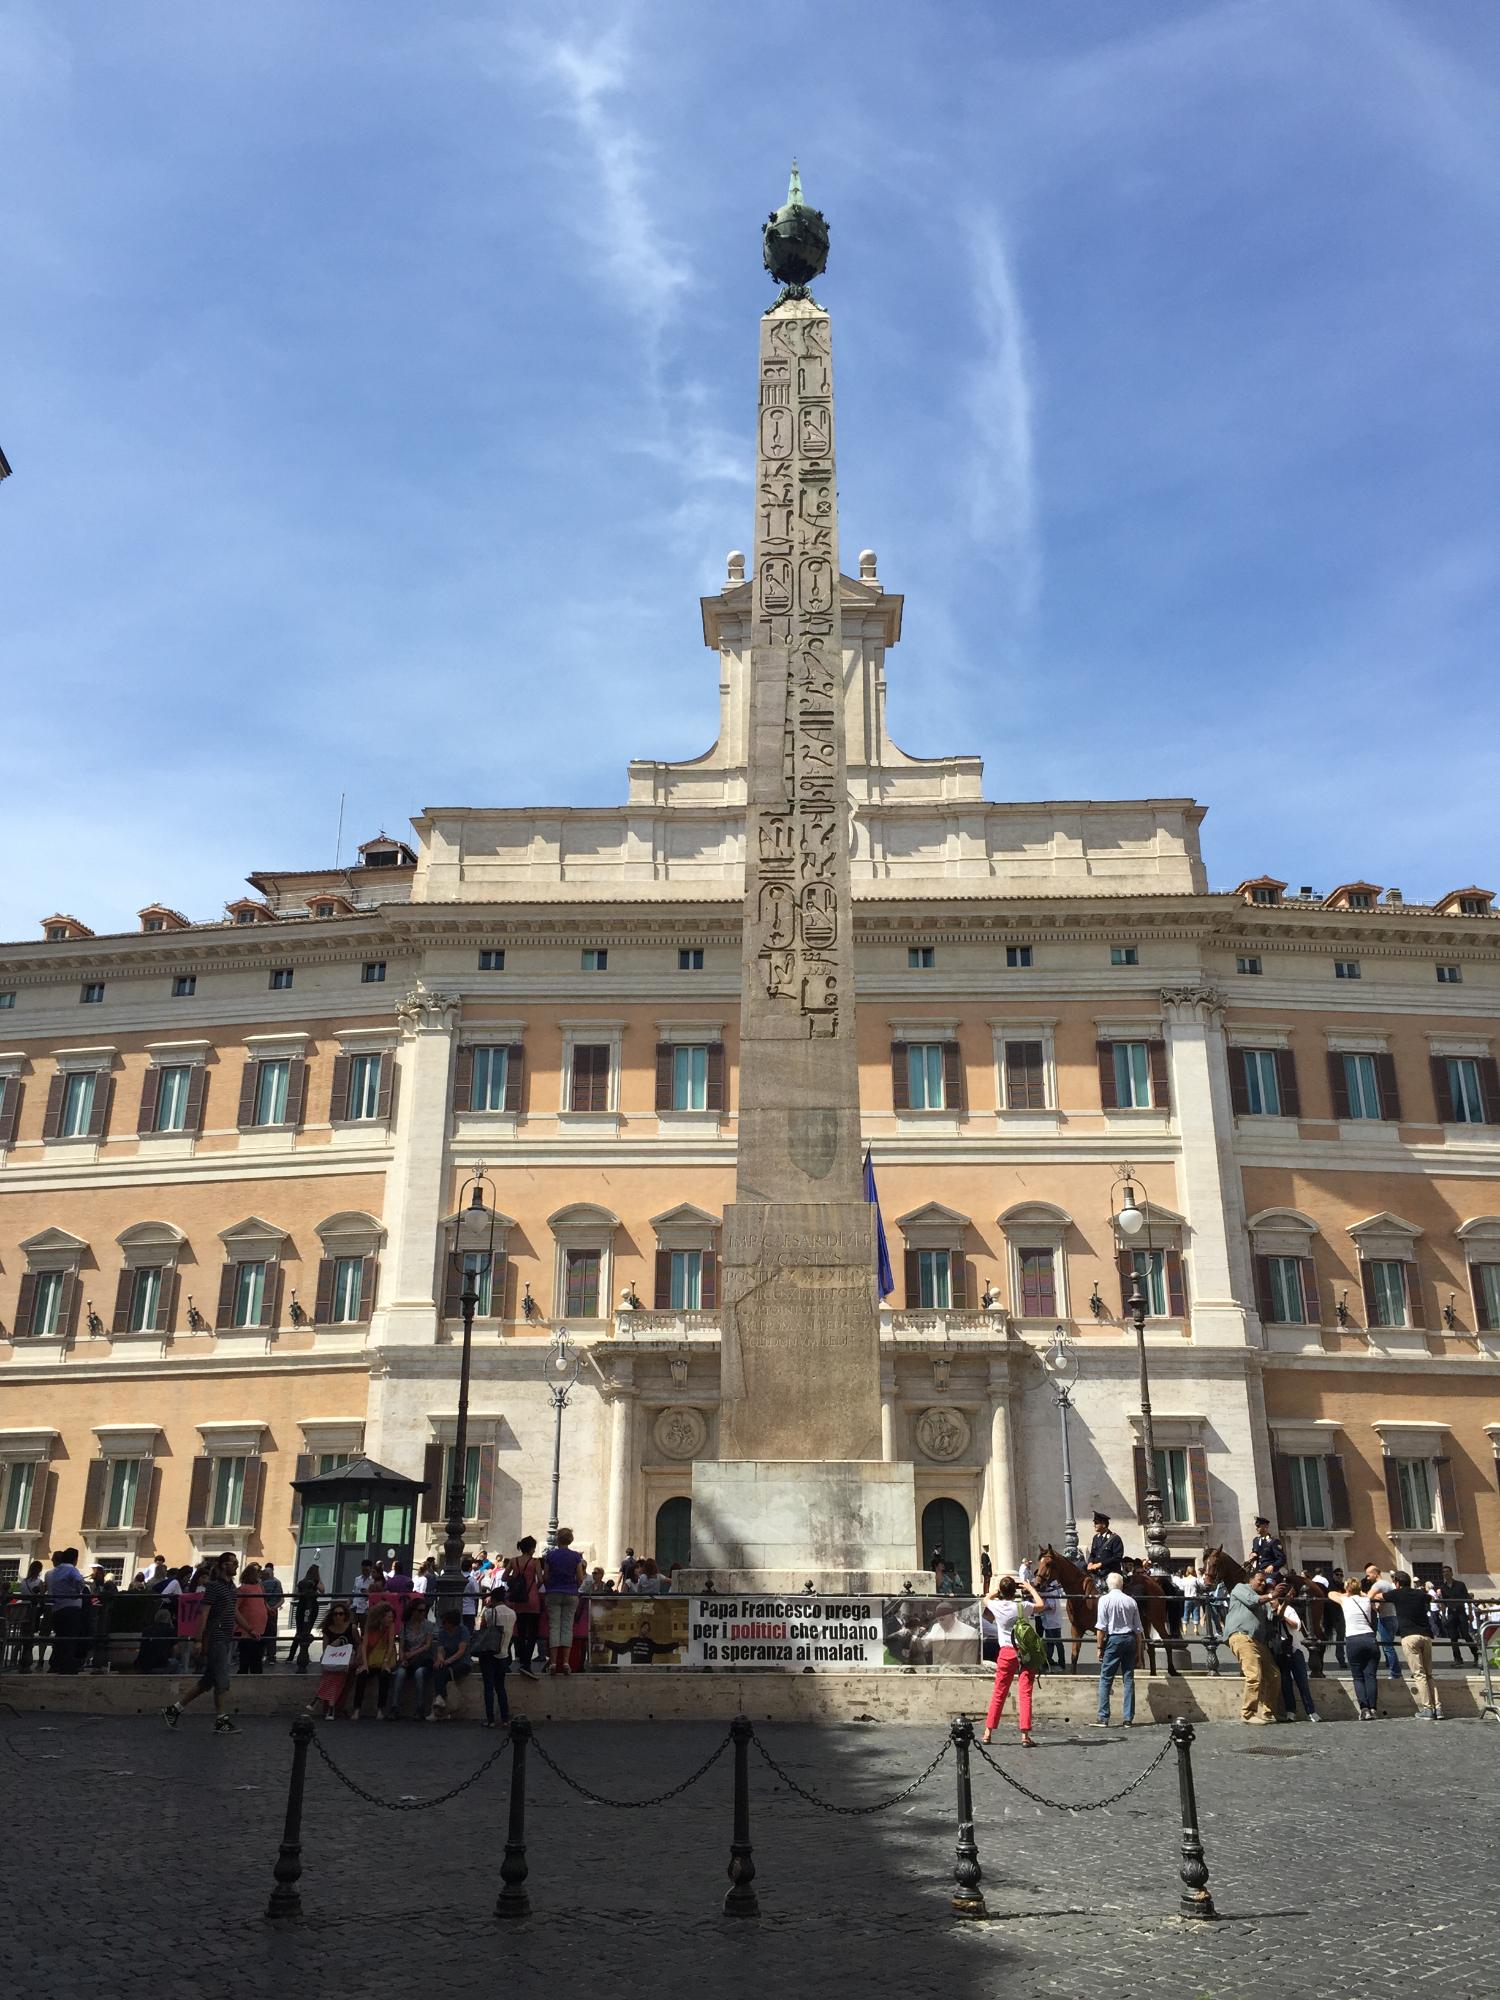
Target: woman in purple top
[562,1576]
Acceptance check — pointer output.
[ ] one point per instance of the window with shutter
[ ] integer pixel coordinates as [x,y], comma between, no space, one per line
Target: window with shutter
[590,1077]
[925,1076]
[581,1271]
[1038,1284]
[1484,1283]
[1025,1077]
[10,1109]
[489,1076]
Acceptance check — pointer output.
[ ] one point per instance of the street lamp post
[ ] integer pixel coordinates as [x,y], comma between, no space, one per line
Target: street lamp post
[565,1368]
[1131,1221]
[472,1257]
[1061,1364]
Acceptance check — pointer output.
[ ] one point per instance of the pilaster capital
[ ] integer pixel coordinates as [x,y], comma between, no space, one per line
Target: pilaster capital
[421,1011]
[1192,1006]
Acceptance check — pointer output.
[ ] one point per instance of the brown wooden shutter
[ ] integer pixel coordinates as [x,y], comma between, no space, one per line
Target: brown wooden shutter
[1489,1092]
[166,1300]
[95,1487]
[1442,1092]
[1448,1497]
[1138,1460]
[145,1494]
[433,1501]
[385,1089]
[1416,1305]
[1338,1084]
[270,1302]
[323,1296]
[10,1109]
[1025,1077]
[590,1076]
[1239,1084]
[463,1079]
[453,1284]
[913,1281]
[150,1098]
[52,1120]
[1385,1079]
[104,1090]
[1286,1077]
[1125,1264]
[1338,1491]
[664,1076]
[663,1300]
[715,1098]
[708,1282]
[953,1077]
[307,1465]
[67,1312]
[244,1117]
[251,1492]
[1265,1297]
[197,1091]
[900,1078]
[1367,1285]
[296,1089]
[515,1075]
[124,1293]
[1176,1286]
[26,1303]
[1481,1303]
[485,1505]
[1161,1088]
[1197,1459]
[199,1488]
[1281,1479]
[1312,1305]
[958,1278]
[369,1279]
[224,1316]
[338,1099]
[41,1493]
[1393,1494]
[1107,1096]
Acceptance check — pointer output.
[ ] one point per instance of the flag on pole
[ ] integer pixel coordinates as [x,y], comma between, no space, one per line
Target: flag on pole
[885,1282]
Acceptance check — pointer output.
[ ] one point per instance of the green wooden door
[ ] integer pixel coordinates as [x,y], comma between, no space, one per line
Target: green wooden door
[945,1532]
[674,1533]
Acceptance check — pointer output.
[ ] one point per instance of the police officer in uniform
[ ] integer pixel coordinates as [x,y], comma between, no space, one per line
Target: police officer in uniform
[1106,1550]
[1266,1552]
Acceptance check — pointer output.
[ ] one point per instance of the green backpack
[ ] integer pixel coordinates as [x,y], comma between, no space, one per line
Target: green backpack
[1030,1649]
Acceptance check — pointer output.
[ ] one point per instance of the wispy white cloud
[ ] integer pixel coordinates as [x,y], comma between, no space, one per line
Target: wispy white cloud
[1003,482]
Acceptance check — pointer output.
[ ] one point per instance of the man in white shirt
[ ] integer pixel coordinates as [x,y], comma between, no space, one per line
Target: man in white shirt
[1117,1627]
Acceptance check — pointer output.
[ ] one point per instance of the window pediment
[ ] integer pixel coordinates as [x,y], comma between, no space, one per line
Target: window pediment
[933,1227]
[1385,1236]
[349,1231]
[1031,1215]
[685,1228]
[53,1250]
[583,1219]
[255,1237]
[1482,1235]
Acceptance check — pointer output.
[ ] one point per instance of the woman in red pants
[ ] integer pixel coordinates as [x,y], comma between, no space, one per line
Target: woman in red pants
[1005,1607]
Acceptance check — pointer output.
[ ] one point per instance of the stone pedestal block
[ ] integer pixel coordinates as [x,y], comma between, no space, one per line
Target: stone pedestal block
[847,1528]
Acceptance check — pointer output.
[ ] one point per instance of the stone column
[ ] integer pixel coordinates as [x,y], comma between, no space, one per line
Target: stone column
[416,1183]
[621,1397]
[1209,1193]
[1004,1538]
[888,1414]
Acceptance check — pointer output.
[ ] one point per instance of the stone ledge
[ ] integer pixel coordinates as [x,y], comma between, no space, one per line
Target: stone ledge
[672,1694]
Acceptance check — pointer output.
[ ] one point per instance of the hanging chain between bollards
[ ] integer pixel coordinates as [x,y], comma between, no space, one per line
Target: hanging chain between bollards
[849,1812]
[627,1805]
[408,1805]
[1083,1805]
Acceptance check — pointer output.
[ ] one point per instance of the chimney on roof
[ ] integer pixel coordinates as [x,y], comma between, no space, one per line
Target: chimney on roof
[1394,896]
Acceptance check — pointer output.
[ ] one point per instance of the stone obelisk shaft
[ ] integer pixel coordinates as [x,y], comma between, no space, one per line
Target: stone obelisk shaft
[801,1331]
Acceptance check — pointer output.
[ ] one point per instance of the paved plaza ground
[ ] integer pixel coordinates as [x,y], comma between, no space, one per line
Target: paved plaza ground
[1346,1860]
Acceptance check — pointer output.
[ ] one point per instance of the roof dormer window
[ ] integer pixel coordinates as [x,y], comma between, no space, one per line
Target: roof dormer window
[324,909]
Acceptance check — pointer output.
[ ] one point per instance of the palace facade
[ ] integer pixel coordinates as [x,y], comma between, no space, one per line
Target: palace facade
[231,1152]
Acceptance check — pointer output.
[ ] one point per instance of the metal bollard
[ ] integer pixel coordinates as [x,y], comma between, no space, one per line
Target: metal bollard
[286,1897]
[741,1900]
[968,1897]
[513,1900]
[1195,1900]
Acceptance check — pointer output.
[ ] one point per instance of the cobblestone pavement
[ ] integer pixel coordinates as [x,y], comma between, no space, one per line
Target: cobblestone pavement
[1344,1862]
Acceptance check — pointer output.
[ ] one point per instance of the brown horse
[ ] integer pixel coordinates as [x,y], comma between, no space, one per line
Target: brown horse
[1220,1567]
[1081,1589]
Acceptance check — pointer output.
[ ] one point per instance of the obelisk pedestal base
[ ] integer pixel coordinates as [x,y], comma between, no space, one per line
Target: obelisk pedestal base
[847,1527]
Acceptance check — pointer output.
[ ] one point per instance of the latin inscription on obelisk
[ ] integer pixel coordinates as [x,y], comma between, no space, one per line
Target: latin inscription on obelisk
[800,1325]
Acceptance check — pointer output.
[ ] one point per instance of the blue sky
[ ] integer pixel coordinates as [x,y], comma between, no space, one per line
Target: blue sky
[378,382]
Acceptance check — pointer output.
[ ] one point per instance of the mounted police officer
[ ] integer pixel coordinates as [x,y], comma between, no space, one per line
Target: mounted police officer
[1266,1552]
[1106,1550]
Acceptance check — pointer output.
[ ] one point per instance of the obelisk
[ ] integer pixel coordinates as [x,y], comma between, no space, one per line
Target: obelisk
[799,1465]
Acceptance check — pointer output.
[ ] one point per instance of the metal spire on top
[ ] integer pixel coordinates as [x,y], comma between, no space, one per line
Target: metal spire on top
[794,188]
